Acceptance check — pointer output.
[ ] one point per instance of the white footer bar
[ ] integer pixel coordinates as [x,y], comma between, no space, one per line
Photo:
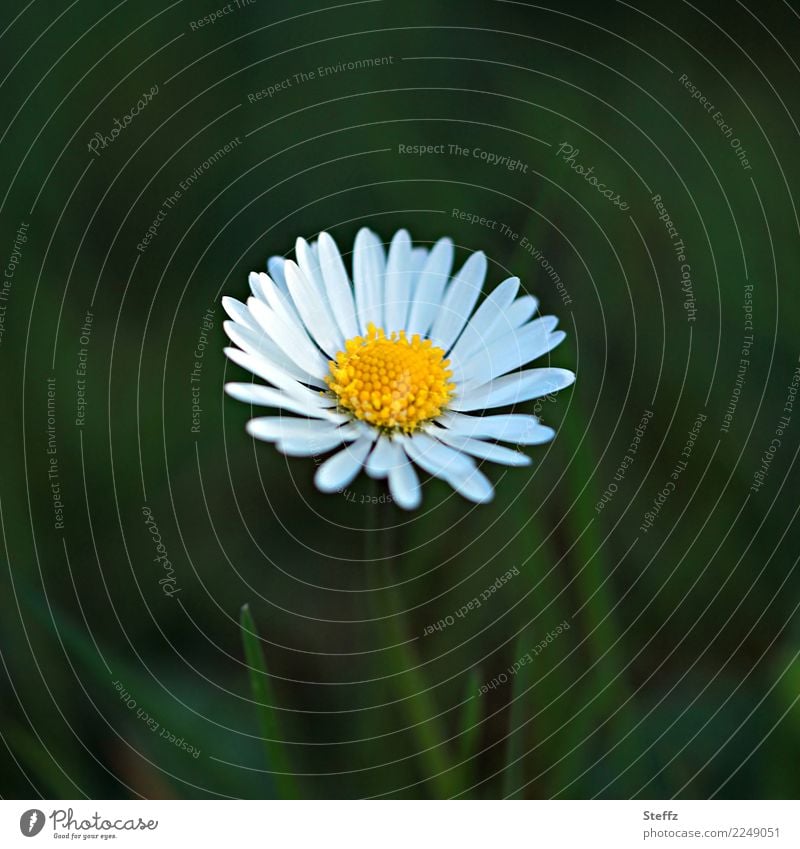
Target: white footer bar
[402,824]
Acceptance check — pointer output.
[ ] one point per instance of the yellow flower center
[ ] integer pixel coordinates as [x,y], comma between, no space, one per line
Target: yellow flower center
[392,382]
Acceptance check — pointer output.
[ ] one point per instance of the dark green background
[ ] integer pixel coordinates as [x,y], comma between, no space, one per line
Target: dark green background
[679,674]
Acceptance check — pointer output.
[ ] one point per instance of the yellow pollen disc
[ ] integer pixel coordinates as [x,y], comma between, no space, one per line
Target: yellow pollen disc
[392,382]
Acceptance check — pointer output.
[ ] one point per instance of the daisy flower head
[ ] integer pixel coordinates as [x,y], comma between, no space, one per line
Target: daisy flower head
[395,368]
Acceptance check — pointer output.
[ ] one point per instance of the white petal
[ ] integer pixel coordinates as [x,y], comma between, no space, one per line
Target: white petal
[450,465]
[270,371]
[518,314]
[509,352]
[484,450]
[474,487]
[239,312]
[369,263]
[276,297]
[300,447]
[436,459]
[290,338]
[430,286]
[259,345]
[254,279]
[314,310]
[339,470]
[398,279]
[276,272]
[277,428]
[308,260]
[478,333]
[419,256]
[386,454]
[404,485]
[337,285]
[513,427]
[514,388]
[267,396]
[459,301]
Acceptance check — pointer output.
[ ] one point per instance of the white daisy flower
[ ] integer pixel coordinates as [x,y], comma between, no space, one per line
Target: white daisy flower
[394,369]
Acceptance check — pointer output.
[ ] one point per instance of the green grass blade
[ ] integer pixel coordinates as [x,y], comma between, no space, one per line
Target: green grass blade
[285,783]
[409,682]
[513,773]
[420,708]
[470,729]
